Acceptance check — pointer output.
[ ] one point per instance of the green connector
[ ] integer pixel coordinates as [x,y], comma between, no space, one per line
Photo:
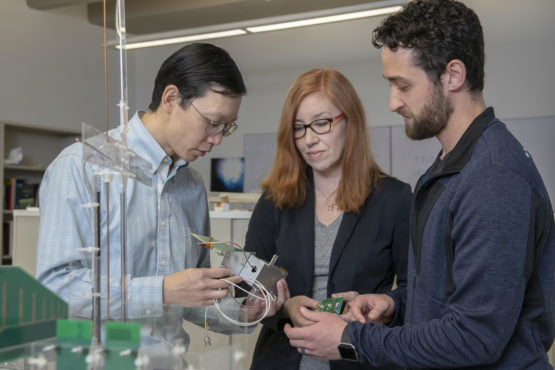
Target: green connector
[122,342]
[70,335]
[77,332]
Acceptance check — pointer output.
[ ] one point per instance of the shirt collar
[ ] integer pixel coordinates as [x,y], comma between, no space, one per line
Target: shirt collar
[141,141]
[459,156]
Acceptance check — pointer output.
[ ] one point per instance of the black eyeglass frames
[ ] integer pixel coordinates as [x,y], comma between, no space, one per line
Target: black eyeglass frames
[319,126]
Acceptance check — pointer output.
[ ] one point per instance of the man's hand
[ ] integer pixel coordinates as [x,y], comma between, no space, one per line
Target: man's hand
[254,307]
[378,308]
[197,287]
[347,298]
[319,340]
[292,309]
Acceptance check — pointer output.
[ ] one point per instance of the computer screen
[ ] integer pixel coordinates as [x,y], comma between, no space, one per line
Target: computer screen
[227,174]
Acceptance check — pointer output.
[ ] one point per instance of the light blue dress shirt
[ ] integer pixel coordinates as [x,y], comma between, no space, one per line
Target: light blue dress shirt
[159,223]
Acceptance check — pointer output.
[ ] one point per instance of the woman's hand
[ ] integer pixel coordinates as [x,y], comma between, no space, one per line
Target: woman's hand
[292,309]
[255,307]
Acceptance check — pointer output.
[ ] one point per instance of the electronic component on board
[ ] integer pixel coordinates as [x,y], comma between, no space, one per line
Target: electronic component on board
[248,265]
[244,263]
[332,305]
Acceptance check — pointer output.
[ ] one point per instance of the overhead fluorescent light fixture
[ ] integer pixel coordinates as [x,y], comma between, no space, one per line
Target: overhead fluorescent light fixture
[183,39]
[322,20]
[238,29]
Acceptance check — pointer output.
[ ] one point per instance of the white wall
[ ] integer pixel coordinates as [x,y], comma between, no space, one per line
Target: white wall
[51,67]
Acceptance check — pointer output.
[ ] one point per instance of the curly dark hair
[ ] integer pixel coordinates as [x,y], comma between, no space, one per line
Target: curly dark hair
[438,31]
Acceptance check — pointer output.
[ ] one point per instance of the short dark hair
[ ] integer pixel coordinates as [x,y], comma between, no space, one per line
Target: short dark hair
[195,69]
[438,31]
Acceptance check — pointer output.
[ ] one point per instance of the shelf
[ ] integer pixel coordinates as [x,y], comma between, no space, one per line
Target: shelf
[40,129]
[234,197]
[40,145]
[13,167]
[30,211]
[231,214]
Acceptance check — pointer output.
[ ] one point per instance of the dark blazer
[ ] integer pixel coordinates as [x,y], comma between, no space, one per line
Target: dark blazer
[371,247]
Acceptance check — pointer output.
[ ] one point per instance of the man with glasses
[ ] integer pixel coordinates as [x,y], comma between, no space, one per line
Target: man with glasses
[195,103]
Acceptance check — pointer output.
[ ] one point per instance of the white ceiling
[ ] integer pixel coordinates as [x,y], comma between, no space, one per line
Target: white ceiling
[156,16]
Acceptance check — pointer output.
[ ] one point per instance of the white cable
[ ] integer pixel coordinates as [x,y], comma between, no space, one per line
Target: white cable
[267,297]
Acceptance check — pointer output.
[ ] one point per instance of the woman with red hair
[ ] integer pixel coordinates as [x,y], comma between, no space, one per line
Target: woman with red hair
[339,225]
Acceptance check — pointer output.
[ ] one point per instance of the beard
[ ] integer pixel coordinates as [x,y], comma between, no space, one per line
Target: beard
[433,117]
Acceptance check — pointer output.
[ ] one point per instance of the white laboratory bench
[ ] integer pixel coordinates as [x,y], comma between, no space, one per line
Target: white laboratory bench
[225,226]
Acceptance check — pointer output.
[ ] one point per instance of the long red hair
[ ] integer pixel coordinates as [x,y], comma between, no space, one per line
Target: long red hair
[287,184]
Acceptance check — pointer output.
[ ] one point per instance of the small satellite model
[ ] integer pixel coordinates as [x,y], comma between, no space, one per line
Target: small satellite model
[244,263]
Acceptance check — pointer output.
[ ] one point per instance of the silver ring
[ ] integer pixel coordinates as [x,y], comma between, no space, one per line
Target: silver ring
[303,352]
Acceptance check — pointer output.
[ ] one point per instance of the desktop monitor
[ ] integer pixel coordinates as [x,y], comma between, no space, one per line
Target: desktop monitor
[227,174]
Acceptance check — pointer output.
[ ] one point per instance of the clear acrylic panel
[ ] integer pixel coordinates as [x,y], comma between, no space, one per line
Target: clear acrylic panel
[106,152]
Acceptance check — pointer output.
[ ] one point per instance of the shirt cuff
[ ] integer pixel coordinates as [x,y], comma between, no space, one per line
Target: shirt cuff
[144,296]
[398,317]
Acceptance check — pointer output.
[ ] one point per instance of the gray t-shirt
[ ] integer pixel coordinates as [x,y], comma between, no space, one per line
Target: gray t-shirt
[324,237]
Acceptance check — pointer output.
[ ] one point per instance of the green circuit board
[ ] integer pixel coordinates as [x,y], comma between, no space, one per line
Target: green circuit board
[28,310]
[332,305]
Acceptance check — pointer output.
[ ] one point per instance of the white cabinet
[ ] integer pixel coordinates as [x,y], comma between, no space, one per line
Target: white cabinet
[25,235]
[230,225]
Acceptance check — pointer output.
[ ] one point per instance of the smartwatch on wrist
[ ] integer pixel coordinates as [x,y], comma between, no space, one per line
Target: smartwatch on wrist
[346,348]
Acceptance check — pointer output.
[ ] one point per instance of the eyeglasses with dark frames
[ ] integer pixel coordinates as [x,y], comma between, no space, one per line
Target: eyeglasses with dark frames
[214,128]
[319,126]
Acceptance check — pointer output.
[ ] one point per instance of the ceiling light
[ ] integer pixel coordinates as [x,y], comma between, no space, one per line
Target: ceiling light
[263,25]
[183,39]
[321,20]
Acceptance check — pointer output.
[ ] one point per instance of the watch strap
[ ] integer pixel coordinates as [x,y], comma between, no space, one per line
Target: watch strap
[346,337]
[346,348]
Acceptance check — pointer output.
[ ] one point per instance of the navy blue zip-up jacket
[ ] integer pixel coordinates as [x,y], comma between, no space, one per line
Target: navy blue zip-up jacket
[481,262]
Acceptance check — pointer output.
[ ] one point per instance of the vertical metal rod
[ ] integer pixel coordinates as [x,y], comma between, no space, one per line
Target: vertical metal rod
[122,31]
[96,273]
[107,188]
[107,185]
[123,257]
[123,109]
[105,66]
